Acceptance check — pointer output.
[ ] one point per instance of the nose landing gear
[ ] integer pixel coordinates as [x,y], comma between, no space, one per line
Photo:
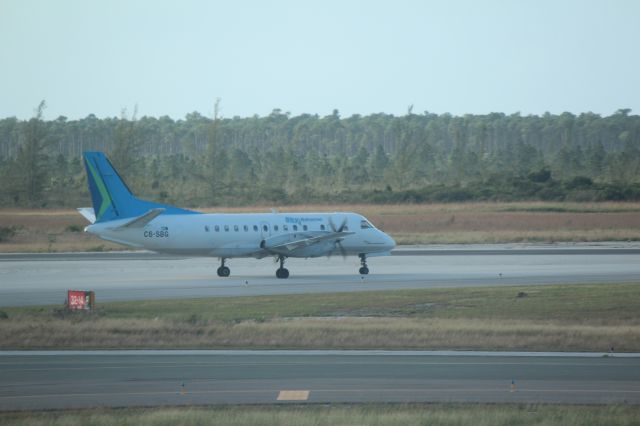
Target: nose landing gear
[223,271]
[282,272]
[364,270]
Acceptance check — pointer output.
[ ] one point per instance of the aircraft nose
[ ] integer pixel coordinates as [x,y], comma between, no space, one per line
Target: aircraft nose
[389,242]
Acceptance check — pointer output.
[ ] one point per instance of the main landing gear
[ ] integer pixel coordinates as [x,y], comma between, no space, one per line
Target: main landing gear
[364,270]
[223,271]
[282,272]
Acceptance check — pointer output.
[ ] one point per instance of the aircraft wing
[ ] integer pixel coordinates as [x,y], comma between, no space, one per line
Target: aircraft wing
[307,241]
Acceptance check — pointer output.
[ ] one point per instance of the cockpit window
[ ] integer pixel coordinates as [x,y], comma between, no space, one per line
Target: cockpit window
[365,224]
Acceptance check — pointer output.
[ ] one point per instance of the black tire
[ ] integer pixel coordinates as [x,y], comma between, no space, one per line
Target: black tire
[282,273]
[224,271]
[364,270]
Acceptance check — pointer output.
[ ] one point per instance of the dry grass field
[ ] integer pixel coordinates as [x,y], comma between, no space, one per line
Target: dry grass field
[556,318]
[61,230]
[322,333]
[337,414]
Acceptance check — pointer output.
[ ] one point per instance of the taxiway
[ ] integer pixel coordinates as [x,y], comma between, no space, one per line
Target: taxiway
[38,279]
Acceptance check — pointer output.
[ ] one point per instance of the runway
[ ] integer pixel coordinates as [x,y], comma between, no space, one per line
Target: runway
[38,279]
[134,378]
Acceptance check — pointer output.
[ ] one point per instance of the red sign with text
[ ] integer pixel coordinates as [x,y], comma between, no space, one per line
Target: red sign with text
[78,299]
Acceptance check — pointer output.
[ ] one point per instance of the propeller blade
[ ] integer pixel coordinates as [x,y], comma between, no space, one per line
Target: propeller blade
[343,252]
[337,244]
[333,225]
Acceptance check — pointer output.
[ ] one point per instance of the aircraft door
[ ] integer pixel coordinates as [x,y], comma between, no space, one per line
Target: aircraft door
[265,230]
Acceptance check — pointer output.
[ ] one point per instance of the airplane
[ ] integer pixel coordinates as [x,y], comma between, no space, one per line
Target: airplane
[118,216]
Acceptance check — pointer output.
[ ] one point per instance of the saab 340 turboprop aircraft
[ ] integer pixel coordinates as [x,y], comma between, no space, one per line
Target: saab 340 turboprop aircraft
[118,216]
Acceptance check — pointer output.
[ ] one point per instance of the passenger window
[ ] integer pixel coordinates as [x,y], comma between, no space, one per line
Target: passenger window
[304,227]
[295,227]
[285,228]
[226,228]
[275,227]
[265,228]
[206,228]
[255,228]
[322,227]
[235,228]
[216,228]
[246,228]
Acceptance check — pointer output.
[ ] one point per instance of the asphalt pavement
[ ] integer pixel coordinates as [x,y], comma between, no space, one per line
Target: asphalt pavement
[53,380]
[37,279]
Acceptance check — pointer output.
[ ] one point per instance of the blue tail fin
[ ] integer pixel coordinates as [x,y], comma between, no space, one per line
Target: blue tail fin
[112,198]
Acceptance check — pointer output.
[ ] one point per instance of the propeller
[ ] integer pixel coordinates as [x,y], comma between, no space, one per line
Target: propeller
[338,242]
[333,226]
[343,252]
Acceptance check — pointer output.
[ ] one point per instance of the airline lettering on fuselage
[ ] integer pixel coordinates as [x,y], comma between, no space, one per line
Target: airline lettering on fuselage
[298,220]
[156,234]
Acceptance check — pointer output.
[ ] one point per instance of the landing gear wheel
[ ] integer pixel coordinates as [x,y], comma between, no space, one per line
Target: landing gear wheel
[282,273]
[224,271]
[364,270]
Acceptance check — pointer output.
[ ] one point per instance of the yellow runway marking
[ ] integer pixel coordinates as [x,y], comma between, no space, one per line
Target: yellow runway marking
[293,395]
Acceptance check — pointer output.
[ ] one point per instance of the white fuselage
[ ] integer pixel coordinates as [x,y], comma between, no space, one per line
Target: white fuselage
[250,235]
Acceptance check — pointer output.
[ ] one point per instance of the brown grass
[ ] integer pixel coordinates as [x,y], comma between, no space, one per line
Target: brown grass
[47,230]
[495,237]
[581,317]
[336,333]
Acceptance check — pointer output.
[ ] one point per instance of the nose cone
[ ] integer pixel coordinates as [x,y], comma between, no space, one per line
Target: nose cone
[387,242]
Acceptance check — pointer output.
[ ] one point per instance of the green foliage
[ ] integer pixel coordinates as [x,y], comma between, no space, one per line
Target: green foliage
[279,159]
[30,164]
[6,232]
[73,228]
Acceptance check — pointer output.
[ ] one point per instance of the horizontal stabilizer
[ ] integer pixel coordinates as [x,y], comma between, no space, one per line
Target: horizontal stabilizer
[141,221]
[88,213]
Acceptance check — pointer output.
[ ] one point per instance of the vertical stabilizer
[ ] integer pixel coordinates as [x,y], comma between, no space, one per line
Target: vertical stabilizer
[112,199]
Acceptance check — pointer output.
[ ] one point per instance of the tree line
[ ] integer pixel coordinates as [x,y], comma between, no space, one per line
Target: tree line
[281,159]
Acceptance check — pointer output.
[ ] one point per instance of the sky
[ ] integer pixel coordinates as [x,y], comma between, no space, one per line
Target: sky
[359,57]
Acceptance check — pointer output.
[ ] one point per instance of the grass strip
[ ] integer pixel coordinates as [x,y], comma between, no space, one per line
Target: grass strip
[358,414]
[590,317]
